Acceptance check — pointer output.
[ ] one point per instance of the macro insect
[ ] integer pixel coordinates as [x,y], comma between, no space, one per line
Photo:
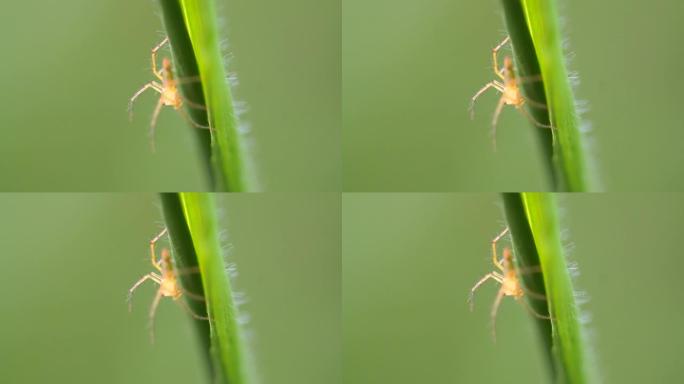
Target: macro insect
[168,90]
[167,279]
[509,88]
[507,277]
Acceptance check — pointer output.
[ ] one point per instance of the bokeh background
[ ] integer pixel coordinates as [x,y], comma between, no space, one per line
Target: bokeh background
[410,69]
[70,67]
[409,261]
[69,260]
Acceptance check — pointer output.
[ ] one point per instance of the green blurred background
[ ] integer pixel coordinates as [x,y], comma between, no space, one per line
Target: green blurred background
[69,260]
[410,69]
[409,261]
[69,69]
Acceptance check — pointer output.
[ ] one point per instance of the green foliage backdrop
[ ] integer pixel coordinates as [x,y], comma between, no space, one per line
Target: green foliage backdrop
[409,261]
[69,69]
[407,83]
[69,260]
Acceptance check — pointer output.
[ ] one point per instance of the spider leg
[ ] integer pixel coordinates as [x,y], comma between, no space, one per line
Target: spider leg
[529,269]
[488,276]
[494,241]
[495,119]
[188,79]
[195,124]
[491,84]
[193,314]
[193,296]
[495,308]
[528,292]
[151,276]
[153,310]
[192,104]
[494,52]
[154,58]
[530,78]
[153,254]
[152,84]
[537,123]
[534,295]
[533,312]
[535,104]
[153,123]
[187,270]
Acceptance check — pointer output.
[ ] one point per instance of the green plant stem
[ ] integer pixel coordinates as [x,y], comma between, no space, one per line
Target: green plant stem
[534,226]
[192,31]
[535,35]
[186,259]
[526,256]
[191,219]
[186,68]
[528,67]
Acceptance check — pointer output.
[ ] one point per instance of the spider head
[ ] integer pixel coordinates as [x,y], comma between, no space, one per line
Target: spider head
[507,254]
[507,258]
[509,71]
[508,63]
[166,256]
[166,68]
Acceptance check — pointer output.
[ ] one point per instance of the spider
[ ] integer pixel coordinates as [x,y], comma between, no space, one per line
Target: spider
[168,91]
[510,93]
[167,280]
[510,283]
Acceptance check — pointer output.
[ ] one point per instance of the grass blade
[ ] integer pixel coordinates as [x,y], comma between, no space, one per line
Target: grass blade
[191,220]
[535,34]
[533,222]
[191,27]
[185,258]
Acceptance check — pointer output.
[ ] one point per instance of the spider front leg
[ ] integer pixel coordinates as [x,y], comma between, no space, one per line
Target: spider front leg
[496,262]
[152,84]
[149,276]
[499,72]
[153,254]
[492,84]
[154,58]
[492,275]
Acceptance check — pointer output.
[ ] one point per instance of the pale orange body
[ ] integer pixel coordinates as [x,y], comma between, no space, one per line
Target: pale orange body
[167,279]
[507,276]
[169,282]
[510,285]
[169,94]
[510,93]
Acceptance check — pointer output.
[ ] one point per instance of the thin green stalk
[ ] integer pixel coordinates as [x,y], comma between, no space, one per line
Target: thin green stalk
[191,220]
[191,27]
[533,28]
[185,258]
[534,226]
